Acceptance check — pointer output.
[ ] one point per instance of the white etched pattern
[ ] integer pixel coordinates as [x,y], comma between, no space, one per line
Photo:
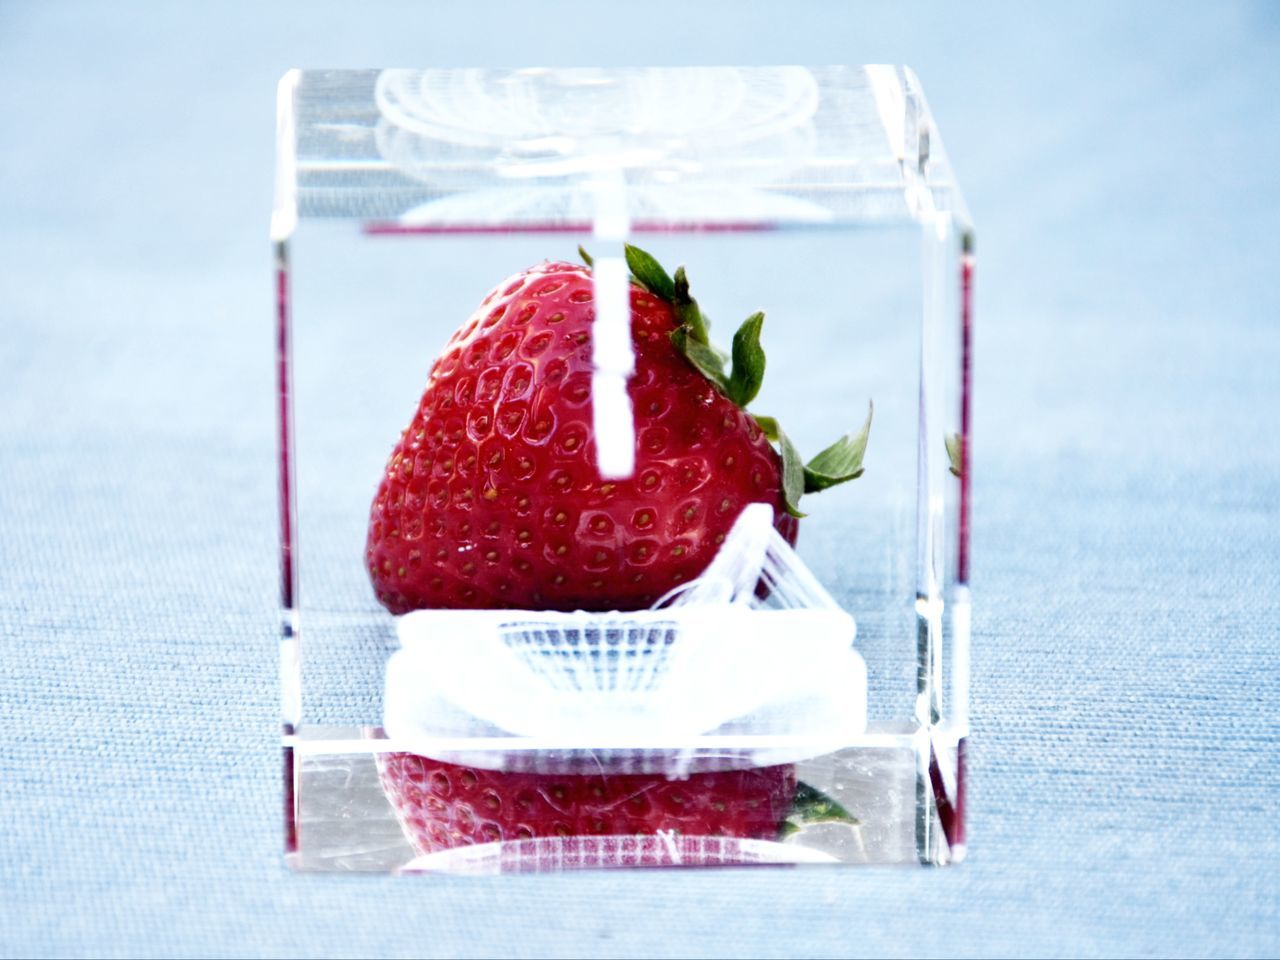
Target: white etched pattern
[664,849]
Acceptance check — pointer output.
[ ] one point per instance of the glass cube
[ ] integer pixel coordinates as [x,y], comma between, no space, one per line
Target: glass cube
[544,605]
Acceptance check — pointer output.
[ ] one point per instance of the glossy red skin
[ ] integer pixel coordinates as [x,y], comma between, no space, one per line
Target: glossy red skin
[491,497]
[442,806]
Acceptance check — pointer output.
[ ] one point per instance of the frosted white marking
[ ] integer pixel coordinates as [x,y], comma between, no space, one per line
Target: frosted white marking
[614,361]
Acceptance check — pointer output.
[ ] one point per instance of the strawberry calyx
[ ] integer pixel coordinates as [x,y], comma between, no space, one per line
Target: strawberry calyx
[955,443]
[739,375]
[810,806]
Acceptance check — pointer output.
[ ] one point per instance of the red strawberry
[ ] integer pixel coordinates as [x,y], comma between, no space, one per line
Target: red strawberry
[491,499]
[441,805]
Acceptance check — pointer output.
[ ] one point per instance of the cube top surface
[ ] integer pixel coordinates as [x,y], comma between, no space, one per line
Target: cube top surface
[613,151]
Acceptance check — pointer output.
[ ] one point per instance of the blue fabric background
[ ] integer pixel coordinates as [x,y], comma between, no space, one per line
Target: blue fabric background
[1120,161]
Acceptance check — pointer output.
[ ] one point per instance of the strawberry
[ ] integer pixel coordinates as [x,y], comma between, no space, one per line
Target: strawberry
[491,499]
[442,805]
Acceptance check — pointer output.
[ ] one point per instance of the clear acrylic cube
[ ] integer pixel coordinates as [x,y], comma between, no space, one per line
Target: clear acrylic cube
[536,615]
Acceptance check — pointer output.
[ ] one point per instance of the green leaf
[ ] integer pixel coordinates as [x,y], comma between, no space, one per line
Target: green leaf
[701,356]
[810,805]
[793,475]
[586,257]
[841,461]
[770,427]
[650,273]
[955,447]
[748,361]
[687,312]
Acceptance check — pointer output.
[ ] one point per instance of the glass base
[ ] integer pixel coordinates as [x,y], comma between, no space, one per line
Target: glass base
[342,820]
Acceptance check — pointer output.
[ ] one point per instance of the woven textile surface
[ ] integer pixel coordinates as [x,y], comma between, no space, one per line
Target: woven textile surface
[1120,162]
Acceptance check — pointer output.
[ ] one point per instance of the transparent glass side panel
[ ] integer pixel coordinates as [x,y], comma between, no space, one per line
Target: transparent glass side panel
[404,198]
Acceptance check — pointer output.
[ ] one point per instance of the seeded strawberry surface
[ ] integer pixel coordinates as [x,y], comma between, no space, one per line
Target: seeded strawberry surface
[442,806]
[491,498]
